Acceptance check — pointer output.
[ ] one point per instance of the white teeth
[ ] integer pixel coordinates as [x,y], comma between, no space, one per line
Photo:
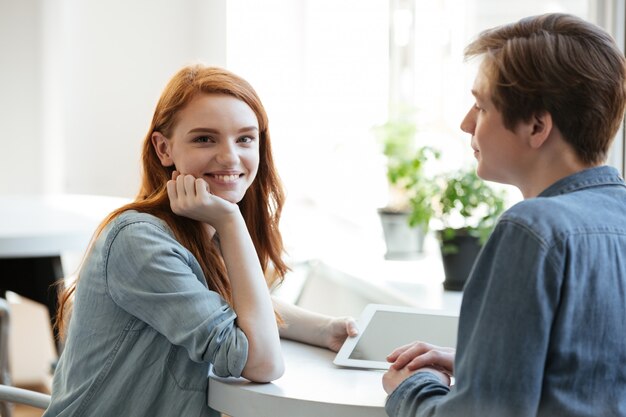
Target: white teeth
[227,178]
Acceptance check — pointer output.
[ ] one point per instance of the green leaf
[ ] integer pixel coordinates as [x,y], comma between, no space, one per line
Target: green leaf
[464,195]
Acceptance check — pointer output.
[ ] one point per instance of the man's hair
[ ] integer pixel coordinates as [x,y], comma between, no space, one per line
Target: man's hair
[563,65]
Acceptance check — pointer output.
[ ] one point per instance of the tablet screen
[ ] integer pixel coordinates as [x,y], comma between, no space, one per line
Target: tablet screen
[388,330]
[383,328]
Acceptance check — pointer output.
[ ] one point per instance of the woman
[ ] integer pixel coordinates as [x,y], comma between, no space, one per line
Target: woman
[176,280]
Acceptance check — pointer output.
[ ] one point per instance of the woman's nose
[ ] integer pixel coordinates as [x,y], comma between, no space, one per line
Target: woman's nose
[227,154]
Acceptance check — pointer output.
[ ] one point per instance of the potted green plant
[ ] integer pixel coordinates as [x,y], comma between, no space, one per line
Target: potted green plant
[468,209]
[406,217]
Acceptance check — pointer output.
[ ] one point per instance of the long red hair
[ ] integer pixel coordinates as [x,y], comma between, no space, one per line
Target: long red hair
[261,206]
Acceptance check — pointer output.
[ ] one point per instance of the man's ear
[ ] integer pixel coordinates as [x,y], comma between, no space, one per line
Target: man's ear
[162,147]
[541,127]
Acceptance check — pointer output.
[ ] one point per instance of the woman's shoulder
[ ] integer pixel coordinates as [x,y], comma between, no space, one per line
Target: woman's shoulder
[134,216]
[138,219]
[139,235]
[135,226]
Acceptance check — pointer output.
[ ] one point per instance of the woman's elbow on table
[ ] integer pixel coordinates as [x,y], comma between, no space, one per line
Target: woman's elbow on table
[266,371]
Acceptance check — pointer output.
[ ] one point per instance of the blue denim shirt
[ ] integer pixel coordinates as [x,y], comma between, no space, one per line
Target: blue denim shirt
[542,330]
[144,329]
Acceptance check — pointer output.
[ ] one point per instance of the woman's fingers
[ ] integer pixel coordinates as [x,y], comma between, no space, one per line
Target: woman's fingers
[351,327]
[191,197]
[172,187]
[189,185]
[201,188]
[181,190]
[183,186]
[171,190]
[180,186]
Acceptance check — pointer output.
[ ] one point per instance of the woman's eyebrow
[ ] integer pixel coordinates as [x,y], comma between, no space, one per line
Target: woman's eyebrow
[248,128]
[204,130]
[216,131]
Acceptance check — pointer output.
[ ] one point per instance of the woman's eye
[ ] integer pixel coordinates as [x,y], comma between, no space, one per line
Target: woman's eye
[477,107]
[246,139]
[203,139]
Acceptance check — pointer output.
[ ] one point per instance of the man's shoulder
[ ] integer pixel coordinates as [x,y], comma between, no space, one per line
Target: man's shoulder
[564,214]
[534,209]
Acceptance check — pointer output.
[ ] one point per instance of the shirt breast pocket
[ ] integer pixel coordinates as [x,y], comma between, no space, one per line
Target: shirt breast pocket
[188,375]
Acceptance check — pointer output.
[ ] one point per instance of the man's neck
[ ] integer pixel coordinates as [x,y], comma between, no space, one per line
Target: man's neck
[554,162]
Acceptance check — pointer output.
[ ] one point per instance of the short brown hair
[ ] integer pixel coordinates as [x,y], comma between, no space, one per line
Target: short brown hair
[563,65]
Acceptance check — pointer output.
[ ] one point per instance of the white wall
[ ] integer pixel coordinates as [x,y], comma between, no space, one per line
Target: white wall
[80,79]
[20,96]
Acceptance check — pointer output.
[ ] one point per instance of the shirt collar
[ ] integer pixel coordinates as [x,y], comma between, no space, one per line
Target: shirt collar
[592,177]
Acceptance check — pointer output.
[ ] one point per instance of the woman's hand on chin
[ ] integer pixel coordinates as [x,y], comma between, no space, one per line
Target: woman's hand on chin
[191,197]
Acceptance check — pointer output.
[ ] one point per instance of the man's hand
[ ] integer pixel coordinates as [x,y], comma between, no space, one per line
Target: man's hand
[418,357]
[394,377]
[419,354]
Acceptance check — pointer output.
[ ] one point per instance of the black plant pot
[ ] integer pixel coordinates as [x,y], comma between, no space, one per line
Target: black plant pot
[458,265]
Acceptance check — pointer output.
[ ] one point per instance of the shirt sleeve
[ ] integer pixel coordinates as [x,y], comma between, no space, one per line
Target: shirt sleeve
[408,397]
[504,333]
[148,274]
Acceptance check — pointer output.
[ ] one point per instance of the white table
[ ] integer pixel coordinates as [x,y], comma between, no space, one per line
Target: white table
[36,229]
[312,386]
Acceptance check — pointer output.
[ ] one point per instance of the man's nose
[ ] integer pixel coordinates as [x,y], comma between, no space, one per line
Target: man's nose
[468,124]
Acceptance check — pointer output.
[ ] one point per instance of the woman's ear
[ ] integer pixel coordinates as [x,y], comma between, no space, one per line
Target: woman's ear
[541,129]
[162,147]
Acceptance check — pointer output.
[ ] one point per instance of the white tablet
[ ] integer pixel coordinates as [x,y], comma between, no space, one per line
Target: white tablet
[382,328]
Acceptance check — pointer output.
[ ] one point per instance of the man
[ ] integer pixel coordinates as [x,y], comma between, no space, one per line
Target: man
[543,319]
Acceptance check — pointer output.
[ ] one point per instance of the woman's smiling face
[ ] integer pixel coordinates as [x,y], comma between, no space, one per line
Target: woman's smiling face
[216,137]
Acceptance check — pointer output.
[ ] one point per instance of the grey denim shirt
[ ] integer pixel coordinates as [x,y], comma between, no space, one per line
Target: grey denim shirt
[542,330]
[144,329]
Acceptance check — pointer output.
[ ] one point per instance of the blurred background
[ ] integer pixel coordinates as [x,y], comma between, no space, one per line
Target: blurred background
[80,80]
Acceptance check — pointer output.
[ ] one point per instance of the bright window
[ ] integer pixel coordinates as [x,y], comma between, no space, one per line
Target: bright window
[328,72]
